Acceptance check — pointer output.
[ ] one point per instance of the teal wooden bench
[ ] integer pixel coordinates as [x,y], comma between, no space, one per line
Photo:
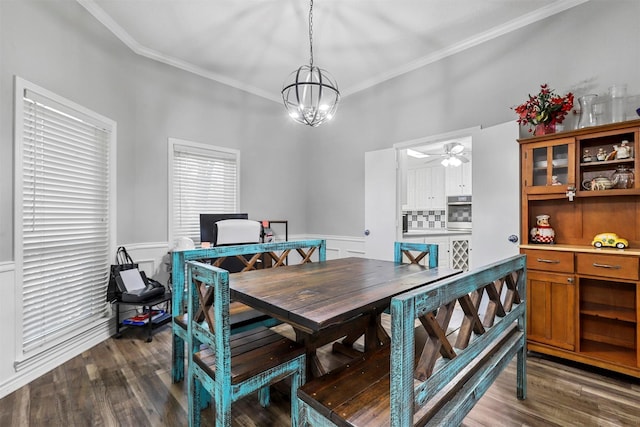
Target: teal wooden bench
[227,366]
[422,378]
[241,317]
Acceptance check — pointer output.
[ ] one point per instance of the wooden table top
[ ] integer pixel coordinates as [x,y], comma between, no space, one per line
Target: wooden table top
[317,295]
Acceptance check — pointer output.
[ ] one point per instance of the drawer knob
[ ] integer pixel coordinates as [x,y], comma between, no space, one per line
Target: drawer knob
[614,267]
[549,261]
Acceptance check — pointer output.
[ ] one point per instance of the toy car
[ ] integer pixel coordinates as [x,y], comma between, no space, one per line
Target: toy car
[609,240]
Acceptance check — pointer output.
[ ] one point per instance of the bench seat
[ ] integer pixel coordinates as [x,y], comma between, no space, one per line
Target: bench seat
[246,348]
[345,396]
[427,375]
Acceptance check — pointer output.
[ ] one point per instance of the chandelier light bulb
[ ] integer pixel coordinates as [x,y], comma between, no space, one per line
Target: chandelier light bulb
[311,95]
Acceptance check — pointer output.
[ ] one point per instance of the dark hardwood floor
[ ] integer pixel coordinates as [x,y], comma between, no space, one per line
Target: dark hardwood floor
[127,382]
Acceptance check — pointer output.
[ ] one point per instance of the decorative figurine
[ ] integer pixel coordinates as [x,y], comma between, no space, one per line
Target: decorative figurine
[623,151]
[598,183]
[554,180]
[601,155]
[611,240]
[586,156]
[542,232]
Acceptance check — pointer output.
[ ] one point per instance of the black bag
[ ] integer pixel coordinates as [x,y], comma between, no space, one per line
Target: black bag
[123,262]
[117,291]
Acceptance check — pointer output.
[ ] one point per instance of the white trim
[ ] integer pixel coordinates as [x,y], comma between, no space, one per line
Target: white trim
[20,86]
[29,369]
[8,266]
[144,246]
[106,20]
[328,237]
[172,142]
[61,348]
[478,39]
[456,134]
[357,252]
[537,15]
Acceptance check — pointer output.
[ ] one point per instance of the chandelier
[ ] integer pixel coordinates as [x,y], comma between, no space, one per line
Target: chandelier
[310,94]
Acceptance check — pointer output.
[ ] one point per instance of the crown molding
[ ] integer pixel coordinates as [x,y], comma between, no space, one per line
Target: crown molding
[106,20]
[506,28]
[544,12]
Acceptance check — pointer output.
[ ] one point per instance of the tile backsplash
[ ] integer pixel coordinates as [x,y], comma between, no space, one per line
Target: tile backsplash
[419,220]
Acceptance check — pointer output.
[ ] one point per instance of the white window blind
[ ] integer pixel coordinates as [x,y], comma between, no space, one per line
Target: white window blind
[65,225]
[205,180]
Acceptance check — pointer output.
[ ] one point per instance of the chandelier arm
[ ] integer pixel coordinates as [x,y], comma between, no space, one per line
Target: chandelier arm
[320,87]
[298,98]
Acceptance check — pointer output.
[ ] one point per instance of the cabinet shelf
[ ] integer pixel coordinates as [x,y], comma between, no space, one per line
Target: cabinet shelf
[608,193]
[598,164]
[609,340]
[607,352]
[608,312]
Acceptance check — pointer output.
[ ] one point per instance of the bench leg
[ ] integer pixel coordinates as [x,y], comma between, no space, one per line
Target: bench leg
[521,372]
[194,403]
[297,380]
[264,396]
[177,359]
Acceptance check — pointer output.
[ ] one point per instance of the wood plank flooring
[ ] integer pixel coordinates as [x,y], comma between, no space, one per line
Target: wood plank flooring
[127,382]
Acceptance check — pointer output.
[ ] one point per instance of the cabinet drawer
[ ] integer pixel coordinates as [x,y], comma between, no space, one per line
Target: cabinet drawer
[615,266]
[549,260]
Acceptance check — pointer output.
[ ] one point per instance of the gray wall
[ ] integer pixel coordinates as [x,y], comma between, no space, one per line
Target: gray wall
[585,49]
[313,177]
[61,47]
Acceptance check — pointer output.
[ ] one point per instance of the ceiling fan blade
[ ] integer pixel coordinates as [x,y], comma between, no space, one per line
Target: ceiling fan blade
[453,148]
[463,159]
[457,149]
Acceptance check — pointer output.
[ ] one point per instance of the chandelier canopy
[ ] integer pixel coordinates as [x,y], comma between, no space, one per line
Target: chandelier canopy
[310,94]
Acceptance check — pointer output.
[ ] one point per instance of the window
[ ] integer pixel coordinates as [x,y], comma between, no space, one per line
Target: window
[64,204]
[203,179]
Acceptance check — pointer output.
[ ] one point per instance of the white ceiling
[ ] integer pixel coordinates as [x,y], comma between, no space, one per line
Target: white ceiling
[253,45]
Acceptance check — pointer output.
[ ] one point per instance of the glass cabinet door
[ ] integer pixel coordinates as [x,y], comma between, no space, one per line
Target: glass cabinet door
[549,166]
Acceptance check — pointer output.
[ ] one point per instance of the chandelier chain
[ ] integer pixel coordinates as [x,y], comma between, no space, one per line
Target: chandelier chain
[311,32]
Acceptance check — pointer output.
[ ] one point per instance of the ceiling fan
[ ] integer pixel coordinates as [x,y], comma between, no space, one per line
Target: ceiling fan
[453,154]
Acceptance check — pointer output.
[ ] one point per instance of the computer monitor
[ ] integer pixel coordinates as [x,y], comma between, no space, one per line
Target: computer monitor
[207,221]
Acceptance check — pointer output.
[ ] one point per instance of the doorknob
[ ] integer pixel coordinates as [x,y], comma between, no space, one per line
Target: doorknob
[367,232]
[513,238]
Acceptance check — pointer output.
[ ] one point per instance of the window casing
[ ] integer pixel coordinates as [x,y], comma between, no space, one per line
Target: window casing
[203,179]
[65,203]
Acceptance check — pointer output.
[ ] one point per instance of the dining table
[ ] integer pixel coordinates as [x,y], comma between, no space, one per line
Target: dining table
[337,300]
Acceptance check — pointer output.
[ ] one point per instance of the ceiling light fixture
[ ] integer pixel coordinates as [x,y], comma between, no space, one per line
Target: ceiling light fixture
[310,94]
[451,161]
[416,154]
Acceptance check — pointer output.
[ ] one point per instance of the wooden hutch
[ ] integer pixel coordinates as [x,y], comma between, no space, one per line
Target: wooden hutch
[583,303]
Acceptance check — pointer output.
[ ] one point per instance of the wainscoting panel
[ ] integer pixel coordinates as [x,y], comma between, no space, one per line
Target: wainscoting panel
[153,259]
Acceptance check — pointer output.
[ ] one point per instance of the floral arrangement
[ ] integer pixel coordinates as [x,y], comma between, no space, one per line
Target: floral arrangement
[546,108]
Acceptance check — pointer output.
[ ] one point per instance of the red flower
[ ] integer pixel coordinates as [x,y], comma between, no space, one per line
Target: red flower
[546,108]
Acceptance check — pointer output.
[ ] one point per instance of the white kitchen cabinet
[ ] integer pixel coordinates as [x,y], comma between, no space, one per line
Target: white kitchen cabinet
[425,188]
[443,248]
[458,180]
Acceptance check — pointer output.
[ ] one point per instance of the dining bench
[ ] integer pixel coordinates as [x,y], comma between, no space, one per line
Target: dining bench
[437,366]
[241,317]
